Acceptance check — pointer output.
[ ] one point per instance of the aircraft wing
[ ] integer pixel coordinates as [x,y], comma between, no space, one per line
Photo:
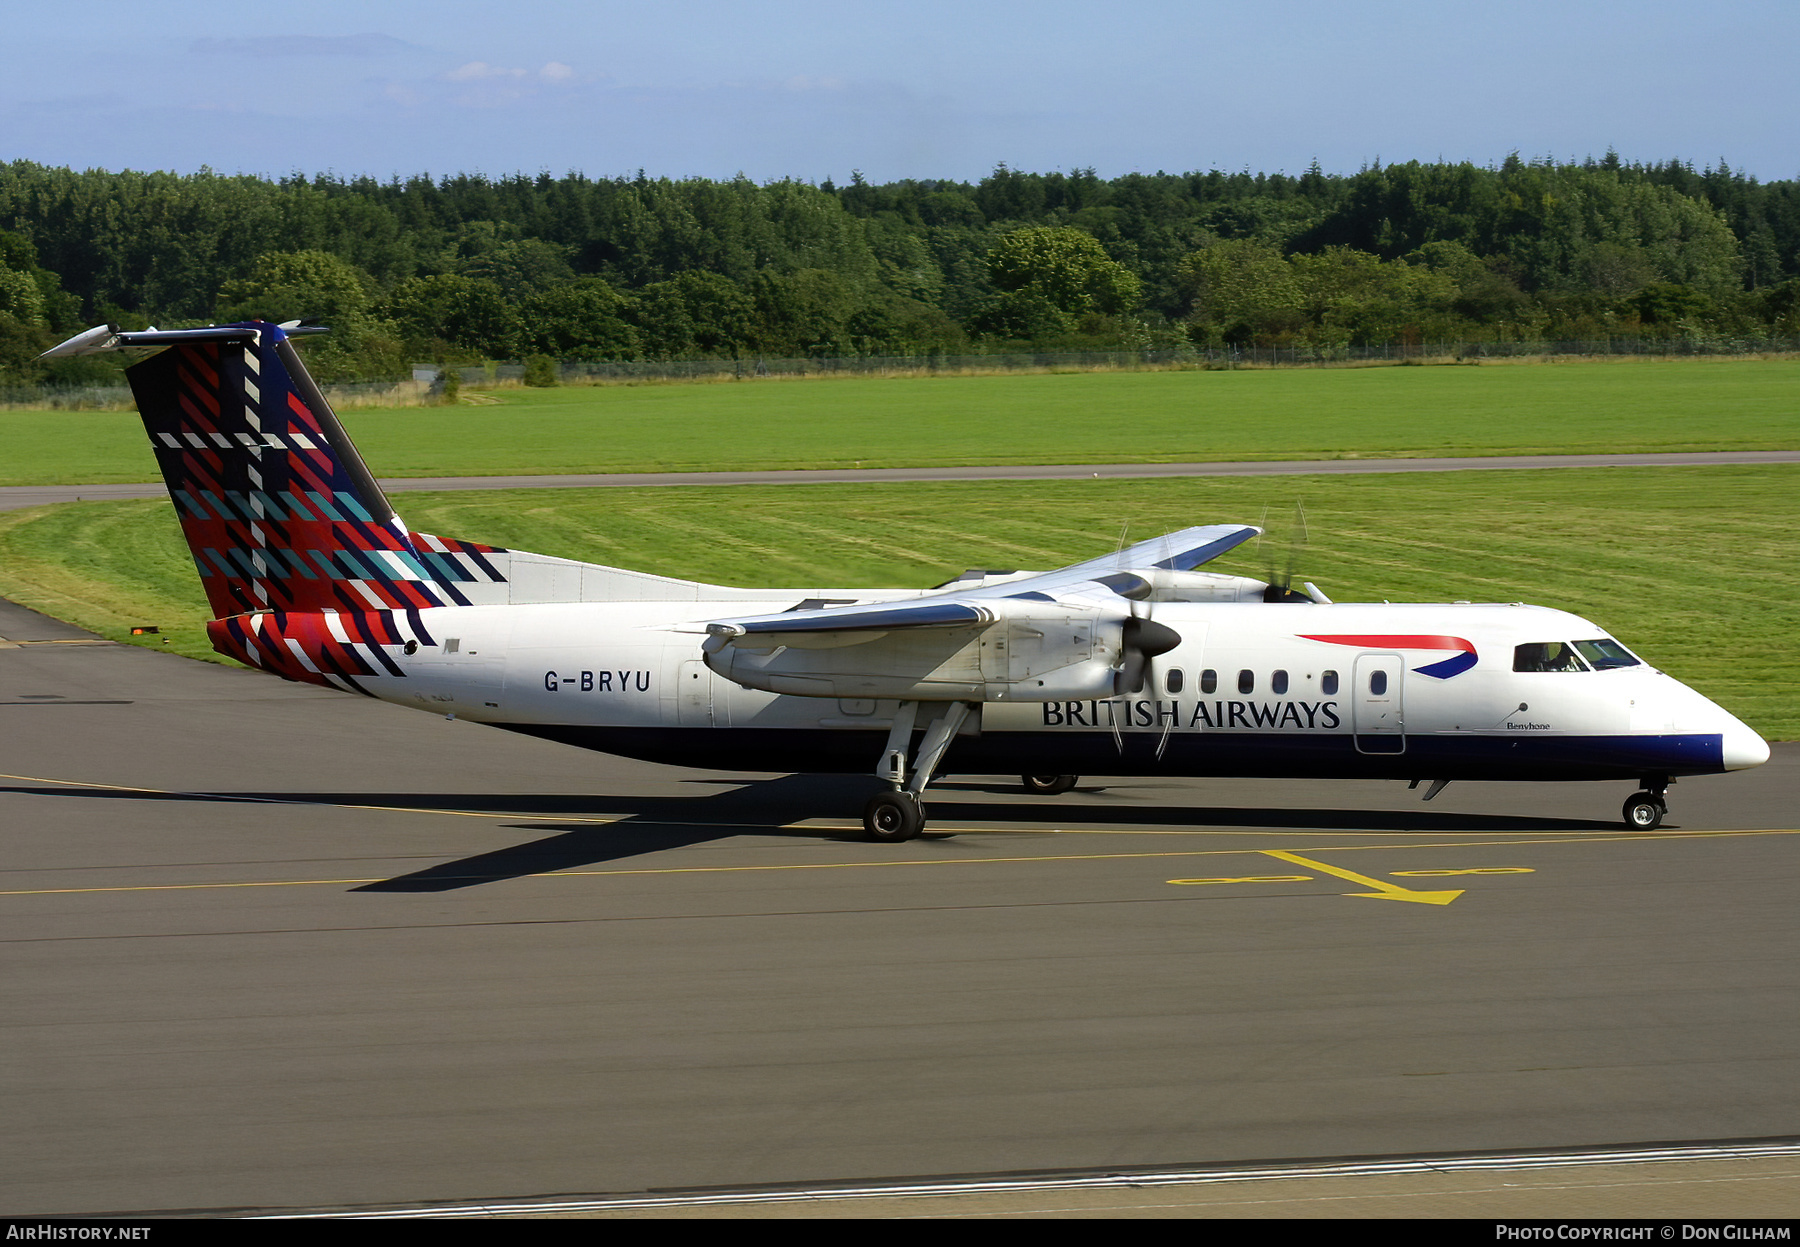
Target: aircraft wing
[1180,551]
[933,612]
[1177,551]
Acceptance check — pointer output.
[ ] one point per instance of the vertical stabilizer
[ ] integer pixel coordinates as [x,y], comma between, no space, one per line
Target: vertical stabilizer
[278,508]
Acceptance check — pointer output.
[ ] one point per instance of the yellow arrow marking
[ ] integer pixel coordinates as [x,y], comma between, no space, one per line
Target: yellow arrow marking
[1252,879]
[1383,891]
[1476,870]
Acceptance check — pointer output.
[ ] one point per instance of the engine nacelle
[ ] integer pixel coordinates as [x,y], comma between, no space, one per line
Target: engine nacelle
[1054,652]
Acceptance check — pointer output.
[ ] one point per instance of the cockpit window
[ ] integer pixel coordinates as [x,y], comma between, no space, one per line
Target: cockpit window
[1547,656]
[1604,653]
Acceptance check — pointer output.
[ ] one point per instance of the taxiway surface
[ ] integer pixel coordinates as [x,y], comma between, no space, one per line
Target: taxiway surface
[18,497]
[269,946]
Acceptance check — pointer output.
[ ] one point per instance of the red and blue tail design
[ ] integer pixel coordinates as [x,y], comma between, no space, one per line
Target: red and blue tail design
[332,648]
[308,571]
[278,508]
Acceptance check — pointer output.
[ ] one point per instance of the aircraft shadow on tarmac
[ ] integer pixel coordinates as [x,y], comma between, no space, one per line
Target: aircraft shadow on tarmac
[643,825]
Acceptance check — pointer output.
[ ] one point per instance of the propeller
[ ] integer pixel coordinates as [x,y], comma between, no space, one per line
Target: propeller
[1281,583]
[1141,641]
[1141,637]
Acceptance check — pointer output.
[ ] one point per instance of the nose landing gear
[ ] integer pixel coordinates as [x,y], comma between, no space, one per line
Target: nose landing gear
[1645,810]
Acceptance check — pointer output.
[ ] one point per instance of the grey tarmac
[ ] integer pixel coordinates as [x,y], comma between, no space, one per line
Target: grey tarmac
[17,497]
[270,947]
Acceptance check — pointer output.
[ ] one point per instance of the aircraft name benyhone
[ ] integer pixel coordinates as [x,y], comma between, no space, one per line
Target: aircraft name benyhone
[1304,715]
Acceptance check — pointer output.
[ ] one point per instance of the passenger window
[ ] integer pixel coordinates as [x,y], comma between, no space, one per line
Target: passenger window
[1377,683]
[1246,681]
[1278,683]
[1546,656]
[1175,681]
[1209,681]
[1328,683]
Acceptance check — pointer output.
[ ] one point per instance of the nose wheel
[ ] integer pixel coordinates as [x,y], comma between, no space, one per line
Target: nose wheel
[1048,785]
[1645,811]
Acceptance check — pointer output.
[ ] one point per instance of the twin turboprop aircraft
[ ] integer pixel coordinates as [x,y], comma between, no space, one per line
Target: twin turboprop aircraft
[1134,663]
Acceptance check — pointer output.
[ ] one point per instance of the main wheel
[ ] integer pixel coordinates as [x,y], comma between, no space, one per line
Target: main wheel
[1644,811]
[1049,785]
[893,816]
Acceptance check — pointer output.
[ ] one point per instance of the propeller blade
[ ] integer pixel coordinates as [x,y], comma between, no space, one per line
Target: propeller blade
[1296,543]
[1281,586]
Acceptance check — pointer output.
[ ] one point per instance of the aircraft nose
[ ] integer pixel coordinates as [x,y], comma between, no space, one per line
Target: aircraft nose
[1743,748]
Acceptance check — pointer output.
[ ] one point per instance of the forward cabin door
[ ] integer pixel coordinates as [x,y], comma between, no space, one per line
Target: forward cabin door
[1377,707]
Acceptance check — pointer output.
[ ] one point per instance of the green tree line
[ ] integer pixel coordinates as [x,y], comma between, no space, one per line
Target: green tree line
[463,268]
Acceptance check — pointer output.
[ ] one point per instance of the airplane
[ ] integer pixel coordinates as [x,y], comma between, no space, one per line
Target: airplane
[1131,663]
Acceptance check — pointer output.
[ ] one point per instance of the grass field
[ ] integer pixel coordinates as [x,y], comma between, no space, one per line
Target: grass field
[1124,417]
[1692,567]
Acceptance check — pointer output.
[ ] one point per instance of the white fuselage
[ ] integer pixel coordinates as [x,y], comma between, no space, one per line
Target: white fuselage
[1251,689]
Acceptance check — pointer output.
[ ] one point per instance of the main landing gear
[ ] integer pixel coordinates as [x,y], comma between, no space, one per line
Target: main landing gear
[1645,810]
[897,814]
[893,816]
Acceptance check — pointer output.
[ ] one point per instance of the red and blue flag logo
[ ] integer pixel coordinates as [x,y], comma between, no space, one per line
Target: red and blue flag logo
[1459,662]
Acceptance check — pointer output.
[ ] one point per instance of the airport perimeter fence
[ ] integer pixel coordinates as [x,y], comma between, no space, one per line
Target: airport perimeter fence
[1178,357]
[118,397]
[425,379]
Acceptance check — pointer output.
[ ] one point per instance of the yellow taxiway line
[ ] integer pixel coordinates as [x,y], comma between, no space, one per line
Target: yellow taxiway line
[1382,889]
[1386,889]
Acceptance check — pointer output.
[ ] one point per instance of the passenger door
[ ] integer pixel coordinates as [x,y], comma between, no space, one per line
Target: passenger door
[1377,708]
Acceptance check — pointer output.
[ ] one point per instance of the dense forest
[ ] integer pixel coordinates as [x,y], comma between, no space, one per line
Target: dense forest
[468,268]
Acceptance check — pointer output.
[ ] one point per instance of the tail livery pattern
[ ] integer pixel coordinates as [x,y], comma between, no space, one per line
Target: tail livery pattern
[277,507]
[332,648]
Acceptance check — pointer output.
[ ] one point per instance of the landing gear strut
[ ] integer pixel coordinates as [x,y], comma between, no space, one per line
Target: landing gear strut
[898,814]
[1645,810]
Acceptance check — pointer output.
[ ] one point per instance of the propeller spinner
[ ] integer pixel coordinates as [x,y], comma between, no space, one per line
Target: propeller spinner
[1142,640]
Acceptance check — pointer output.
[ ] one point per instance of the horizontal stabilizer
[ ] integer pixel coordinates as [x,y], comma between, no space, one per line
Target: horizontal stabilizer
[102,338]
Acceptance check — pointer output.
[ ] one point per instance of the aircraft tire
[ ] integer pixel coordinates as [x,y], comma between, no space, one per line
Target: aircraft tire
[1049,785]
[892,816]
[1644,811]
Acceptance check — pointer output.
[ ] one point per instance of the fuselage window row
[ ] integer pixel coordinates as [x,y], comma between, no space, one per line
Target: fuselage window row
[1175,681]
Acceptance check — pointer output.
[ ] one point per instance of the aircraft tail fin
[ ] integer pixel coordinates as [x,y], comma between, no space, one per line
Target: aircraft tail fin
[277,506]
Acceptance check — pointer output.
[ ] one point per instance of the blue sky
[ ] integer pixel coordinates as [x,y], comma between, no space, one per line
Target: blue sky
[795,88]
